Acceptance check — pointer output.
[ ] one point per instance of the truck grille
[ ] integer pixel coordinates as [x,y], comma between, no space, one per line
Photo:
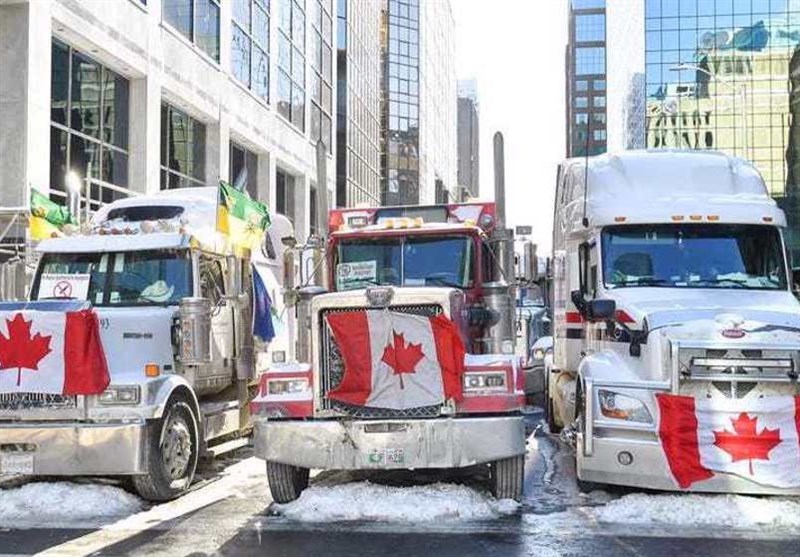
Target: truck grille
[736,372]
[332,369]
[36,401]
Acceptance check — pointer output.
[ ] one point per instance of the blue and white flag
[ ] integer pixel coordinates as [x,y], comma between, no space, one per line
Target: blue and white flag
[263,327]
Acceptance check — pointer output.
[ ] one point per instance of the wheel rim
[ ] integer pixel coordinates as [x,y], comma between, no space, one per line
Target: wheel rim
[176,448]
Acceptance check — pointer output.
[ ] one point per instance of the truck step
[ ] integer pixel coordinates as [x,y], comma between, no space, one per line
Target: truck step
[226,447]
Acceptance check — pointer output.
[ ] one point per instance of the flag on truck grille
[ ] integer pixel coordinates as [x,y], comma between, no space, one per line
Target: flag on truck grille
[51,352]
[47,217]
[397,360]
[756,439]
[241,218]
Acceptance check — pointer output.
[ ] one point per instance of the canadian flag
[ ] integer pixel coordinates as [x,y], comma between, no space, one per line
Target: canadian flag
[51,353]
[757,439]
[396,360]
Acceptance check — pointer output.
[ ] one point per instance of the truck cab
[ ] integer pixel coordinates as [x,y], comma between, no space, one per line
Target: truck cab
[433,261]
[173,304]
[671,277]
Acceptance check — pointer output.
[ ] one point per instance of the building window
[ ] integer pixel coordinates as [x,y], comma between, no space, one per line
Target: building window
[88,124]
[183,150]
[588,4]
[599,135]
[599,101]
[581,85]
[582,118]
[322,71]
[197,20]
[581,102]
[599,118]
[590,60]
[590,27]
[292,62]
[250,45]
[243,169]
[599,85]
[284,194]
[312,210]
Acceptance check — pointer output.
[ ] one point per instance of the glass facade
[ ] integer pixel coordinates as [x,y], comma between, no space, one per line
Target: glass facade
[88,124]
[401,109]
[183,149]
[358,89]
[723,74]
[250,45]
[292,62]
[321,78]
[586,79]
[197,20]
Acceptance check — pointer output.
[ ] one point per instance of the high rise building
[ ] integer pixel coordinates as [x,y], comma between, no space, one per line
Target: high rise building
[149,95]
[419,102]
[468,132]
[724,75]
[358,124]
[586,78]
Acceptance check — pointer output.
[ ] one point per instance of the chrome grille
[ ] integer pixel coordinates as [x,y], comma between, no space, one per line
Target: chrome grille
[36,401]
[734,372]
[332,369]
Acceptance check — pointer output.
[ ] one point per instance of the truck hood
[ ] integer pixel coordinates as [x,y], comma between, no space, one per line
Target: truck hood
[712,310]
[133,337]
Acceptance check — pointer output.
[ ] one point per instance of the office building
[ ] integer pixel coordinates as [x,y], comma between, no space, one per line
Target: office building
[358,120]
[468,132]
[586,78]
[144,95]
[419,102]
[724,75]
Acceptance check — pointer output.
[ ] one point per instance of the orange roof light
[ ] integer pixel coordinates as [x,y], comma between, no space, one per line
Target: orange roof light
[696,217]
[152,370]
[678,218]
[620,219]
[713,218]
[767,219]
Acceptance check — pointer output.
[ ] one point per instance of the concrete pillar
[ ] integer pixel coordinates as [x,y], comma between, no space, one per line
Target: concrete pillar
[25,57]
[301,194]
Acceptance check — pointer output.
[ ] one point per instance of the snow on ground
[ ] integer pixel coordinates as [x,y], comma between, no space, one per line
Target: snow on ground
[371,502]
[51,501]
[691,510]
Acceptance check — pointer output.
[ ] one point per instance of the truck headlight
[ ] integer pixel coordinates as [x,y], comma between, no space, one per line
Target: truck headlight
[287,386]
[120,395]
[538,354]
[623,407]
[485,381]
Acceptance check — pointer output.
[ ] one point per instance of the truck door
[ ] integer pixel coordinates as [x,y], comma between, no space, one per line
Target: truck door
[213,287]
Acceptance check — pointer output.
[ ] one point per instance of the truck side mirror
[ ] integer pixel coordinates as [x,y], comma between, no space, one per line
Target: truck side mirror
[601,310]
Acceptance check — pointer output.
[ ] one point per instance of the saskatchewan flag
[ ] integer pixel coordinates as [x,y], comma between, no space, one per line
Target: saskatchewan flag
[242,219]
[47,217]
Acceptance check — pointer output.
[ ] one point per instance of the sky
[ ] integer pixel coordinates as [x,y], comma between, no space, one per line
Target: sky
[514,49]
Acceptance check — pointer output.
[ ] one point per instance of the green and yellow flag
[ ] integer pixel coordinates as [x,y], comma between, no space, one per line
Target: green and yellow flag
[241,218]
[47,217]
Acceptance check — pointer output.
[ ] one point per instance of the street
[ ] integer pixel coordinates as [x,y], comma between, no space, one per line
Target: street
[230,513]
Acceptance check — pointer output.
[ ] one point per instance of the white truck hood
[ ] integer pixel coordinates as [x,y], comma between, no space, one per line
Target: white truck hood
[705,312]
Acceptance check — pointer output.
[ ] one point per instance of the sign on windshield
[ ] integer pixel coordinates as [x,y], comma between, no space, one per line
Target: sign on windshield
[63,285]
[356,275]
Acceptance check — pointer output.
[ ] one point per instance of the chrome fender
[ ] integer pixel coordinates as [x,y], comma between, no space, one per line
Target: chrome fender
[159,391]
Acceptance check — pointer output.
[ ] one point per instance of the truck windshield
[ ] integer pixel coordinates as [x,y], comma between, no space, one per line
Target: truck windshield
[693,256]
[408,261]
[151,277]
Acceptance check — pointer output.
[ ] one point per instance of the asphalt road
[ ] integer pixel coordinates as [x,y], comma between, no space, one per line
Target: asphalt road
[230,514]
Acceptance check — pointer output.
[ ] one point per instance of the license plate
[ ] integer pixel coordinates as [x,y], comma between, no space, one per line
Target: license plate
[386,457]
[16,463]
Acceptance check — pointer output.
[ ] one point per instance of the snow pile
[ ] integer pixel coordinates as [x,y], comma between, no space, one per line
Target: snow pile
[367,501]
[732,511]
[56,501]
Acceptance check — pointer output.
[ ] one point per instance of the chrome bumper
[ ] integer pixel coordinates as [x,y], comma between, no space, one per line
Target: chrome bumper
[649,469]
[387,444]
[78,449]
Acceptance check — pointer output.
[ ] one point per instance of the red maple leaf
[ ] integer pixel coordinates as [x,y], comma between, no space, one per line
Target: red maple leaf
[402,357]
[20,350]
[745,443]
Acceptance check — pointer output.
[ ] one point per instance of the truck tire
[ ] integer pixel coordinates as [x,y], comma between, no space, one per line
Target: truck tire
[172,450]
[550,414]
[286,482]
[507,476]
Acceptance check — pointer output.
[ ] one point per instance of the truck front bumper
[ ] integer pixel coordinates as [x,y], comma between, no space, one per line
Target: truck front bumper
[74,448]
[649,469]
[389,444]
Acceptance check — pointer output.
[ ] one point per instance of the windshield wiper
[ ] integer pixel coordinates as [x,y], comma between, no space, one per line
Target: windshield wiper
[644,281]
[737,282]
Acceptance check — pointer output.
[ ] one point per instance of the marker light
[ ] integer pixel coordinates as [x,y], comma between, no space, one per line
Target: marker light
[678,218]
[620,219]
[696,217]
[152,370]
[767,219]
[713,218]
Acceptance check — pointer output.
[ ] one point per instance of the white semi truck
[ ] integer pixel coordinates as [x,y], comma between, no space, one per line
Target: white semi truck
[174,302]
[671,283]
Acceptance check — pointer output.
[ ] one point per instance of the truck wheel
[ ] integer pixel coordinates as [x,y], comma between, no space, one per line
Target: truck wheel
[171,454]
[507,476]
[551,417]
[286,482]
